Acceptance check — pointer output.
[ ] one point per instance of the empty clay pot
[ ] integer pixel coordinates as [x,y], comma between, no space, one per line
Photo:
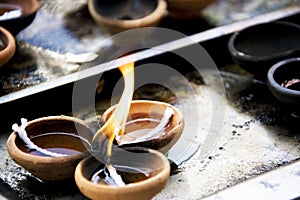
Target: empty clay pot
[145,115]
[54,133]
[146,161]
[118,16]
[7,46]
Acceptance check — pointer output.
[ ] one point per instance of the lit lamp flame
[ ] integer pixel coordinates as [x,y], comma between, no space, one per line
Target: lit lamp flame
[115,125]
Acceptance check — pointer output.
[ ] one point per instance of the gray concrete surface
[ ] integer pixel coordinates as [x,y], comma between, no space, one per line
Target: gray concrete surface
[257,136]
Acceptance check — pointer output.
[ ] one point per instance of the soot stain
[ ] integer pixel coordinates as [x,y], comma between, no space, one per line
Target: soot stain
[256,100]
[22,185]
[75,19]
[20,74]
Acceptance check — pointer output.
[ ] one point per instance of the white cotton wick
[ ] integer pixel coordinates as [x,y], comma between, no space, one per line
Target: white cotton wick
[161,126]
[109,175]
[169,112]
[114,177]
[23,135]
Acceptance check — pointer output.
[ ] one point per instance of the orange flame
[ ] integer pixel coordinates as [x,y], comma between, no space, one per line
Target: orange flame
[115,125]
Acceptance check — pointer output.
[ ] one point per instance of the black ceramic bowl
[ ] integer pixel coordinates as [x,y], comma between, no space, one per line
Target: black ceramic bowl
[16,15]
[258,47]
[284,81]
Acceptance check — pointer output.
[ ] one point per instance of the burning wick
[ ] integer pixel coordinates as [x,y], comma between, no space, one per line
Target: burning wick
[115,126]
[23,135]
[109,175]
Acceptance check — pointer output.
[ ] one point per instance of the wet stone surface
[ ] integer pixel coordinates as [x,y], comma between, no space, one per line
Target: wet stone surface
[253,140]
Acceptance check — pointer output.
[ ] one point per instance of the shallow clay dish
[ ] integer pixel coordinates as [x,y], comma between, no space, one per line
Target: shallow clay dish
[258,47]
[146,160]
[118,16]
[16,15]
[143,109]
[42,132]
[284,82]
[7,46]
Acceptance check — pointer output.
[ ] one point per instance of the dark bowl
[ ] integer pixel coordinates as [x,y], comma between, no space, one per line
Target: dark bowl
[16,15]
[284,81]
[258,47]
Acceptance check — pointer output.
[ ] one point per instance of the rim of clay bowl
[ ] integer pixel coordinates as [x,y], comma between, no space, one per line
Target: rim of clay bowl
[27,9]
[156,15]
[16,152]
[34,8]
[179,125]
[162,176]
[275,84]
[10,47]
[247,57]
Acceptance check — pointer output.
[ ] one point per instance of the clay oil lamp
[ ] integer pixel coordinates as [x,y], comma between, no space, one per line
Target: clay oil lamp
[114,171]
[284,82]
[115,16]
[145,173]
[141,167]
[16,15]
[7,46]
[151,124]
[52,146]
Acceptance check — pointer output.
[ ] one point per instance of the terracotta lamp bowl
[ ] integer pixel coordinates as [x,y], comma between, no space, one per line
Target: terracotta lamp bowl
[187,9]
[284,82]
[132,164]
[16,15]
[7,46]
[145,115]
[56,134]
[118,16]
